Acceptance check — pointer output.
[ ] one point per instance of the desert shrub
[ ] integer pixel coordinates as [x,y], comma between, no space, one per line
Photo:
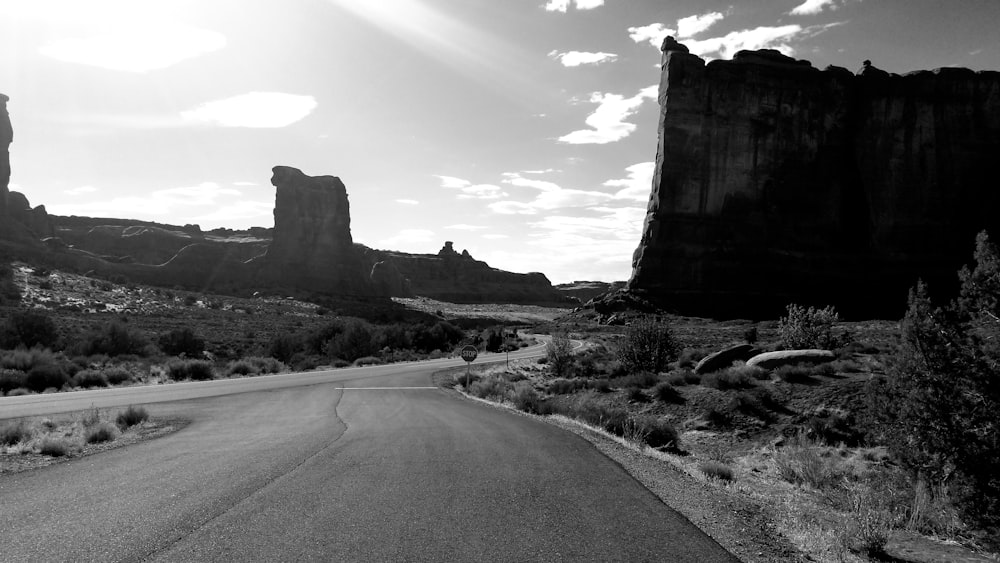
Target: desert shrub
[12,433]
[938,410]
[559,352]
[46,376]
[525,398]
[100,432]
[799,373]
[24,359]
[750,404]
[368,361]
[600,385]
[116,375]
[636,395]
[642,380]
[113,339]
[131,416]
[588,408]
[19,392]
[870,520]
[355,341]
[726,379]
[490,387]
[717,418]
[90,378]
[834,428]
[11,379]
[648,345]
[284,346]
[659,432]
[182,341]
[240,367]
[565,386]
[195,370]
[809,328]
[266,365]
[28,328]
[802,463]
[667,393]
[9,291]
[338,363]
[750,372]
[55,447]
[716,470]
[689,357]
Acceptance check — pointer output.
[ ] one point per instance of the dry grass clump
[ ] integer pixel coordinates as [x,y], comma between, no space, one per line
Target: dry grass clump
[12,433]
[195,370]
[716,470]
[100,432]
[131,416]
[54,446]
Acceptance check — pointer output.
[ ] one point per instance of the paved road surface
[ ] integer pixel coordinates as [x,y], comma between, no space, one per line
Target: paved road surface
[368,467]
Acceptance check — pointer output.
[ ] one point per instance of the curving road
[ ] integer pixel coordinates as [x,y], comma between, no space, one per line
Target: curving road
[368,464]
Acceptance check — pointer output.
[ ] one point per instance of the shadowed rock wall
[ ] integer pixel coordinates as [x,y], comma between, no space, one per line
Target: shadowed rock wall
[777,182]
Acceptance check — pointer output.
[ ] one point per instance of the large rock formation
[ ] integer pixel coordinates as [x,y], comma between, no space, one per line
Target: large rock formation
[312,248]
[777,182]
[6,138]
[460,278]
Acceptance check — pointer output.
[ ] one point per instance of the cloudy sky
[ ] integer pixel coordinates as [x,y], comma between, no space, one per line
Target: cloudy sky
[522,130]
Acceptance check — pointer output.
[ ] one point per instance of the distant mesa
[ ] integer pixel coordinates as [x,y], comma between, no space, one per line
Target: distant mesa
[776,182]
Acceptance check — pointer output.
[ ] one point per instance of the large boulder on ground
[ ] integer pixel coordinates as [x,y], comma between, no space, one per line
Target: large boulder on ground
[724,358]
[774,360]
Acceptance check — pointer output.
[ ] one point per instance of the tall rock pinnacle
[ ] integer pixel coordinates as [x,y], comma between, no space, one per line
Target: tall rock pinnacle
[6,137]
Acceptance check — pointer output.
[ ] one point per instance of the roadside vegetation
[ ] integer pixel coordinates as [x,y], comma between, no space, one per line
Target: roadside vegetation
[895,434]
[27,443]
[83,333]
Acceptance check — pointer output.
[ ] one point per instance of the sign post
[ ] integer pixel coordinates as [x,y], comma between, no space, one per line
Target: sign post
[469,354]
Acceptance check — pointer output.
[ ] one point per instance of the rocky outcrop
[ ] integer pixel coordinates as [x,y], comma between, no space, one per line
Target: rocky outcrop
[460,278]
[777,359]
[776,182]
[724,358]
[312,249]
[6,138]
[584,291]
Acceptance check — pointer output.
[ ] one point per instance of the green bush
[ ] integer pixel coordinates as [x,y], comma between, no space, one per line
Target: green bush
[368,361]
[659,432]
[113,339]
[195,370]
[23,359]
[131,416]
[55,447]
[648,345]
[182,341]
[716,470]
[28,328]
[100,432]
[491,387]
[266,365]
[12,433]
[559,353]
[90,378]
[241,367]
[11,379]
[565,386]
[807,328]
[45,376]
[667,393]
[19,392]
[525,398]
[642,380]
[116,375]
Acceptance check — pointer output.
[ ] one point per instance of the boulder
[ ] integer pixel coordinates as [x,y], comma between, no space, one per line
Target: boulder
[776,182]
[724,358]
[774,360]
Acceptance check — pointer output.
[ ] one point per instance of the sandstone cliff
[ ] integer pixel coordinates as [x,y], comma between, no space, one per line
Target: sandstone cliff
[777,182]
[460,278]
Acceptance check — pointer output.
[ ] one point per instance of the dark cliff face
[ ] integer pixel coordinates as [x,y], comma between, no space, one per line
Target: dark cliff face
[6,138]
[776,182]
[312,247]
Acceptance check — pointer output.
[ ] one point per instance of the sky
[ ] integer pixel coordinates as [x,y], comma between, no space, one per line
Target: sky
[522,130]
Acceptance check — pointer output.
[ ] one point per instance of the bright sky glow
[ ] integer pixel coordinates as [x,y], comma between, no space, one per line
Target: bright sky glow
[525,132]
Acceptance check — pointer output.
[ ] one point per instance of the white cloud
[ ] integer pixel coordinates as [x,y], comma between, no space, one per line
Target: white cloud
[812,7]
[563,5]
[637,185]
[207,201]
[470,190]
[139,47]
[464,227]
[607,123]
[693,25]
[512,208]
[408,201]
[654,33]
[80,190]
[496,236]
[452,182]
[578,58]
[551,196]
[255,109]
[408,240]
[764,37]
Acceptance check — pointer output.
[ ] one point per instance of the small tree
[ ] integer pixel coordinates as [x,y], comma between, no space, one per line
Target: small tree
[182,341]
[649,345]
[939,408]
[28,329]
[808,328]
[559,352]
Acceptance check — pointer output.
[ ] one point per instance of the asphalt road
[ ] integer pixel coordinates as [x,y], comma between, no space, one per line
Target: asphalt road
[362,465]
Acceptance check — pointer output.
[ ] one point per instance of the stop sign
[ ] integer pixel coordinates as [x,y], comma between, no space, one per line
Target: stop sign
[469,353]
